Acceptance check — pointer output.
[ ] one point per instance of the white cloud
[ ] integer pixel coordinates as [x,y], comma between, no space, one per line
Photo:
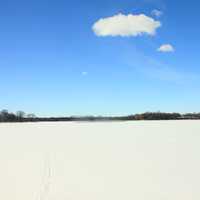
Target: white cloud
[156,13]
[84,73]
[166,48]
[126,25]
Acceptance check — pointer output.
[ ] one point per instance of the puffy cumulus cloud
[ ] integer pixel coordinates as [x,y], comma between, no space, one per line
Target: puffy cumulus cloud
[126,25]
[156,13]
[166,48]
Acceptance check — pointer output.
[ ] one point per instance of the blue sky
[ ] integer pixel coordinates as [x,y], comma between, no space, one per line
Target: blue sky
[52,62]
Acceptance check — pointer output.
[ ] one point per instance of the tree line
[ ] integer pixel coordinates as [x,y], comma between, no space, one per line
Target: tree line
[21,116]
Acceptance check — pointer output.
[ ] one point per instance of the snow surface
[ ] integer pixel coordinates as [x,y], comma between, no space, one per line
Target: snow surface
[150,160]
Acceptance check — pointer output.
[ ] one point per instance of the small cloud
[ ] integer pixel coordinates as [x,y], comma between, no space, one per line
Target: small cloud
[166,48]
[126,25]
[156,13]
[84,73]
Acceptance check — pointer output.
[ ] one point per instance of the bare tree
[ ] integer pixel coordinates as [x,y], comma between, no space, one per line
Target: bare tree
[31,116]
[20,115]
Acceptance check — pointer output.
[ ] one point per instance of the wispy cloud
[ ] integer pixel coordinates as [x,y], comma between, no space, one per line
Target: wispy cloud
[156,13]
[126,25]
[84,73]
[154,68]
[166,48]
[159,70]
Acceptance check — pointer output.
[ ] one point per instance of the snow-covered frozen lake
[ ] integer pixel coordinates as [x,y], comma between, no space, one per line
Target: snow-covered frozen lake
[152,160]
